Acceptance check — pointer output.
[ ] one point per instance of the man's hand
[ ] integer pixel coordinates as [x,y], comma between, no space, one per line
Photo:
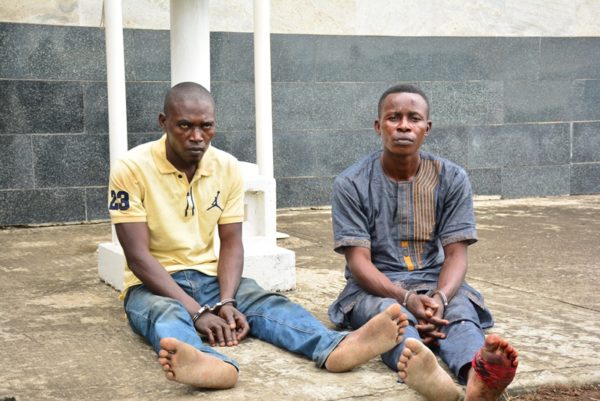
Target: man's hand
[216,330]
[236,321]
[429,314]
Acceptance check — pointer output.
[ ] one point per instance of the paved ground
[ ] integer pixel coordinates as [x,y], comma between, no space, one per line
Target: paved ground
[65,337]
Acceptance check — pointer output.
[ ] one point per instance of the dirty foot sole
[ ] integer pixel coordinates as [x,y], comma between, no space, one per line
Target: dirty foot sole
[380,334]
[185,364]
[419,369]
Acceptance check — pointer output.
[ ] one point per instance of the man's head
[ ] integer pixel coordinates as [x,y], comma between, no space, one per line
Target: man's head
[403,120]
[402,88]
[188,118]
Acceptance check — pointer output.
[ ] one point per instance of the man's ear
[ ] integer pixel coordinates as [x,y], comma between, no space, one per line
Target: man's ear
[428,127]
[377,127]
[161,120]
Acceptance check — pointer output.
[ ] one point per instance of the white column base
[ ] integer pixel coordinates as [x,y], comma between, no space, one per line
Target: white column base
[111,264]
[272,267]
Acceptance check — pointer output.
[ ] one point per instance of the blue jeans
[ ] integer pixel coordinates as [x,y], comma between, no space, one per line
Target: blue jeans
[272,317]
[464,336]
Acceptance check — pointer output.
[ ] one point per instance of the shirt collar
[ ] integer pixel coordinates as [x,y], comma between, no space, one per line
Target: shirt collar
[159,154]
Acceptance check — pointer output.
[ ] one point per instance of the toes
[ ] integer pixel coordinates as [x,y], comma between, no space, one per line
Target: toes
[400,317]
[394,313]
[402,364]
[493,342]
[412,345]
[168,344]
[405,355]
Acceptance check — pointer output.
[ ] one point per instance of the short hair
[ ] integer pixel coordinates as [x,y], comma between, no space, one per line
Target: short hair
[402,88]
[184,89]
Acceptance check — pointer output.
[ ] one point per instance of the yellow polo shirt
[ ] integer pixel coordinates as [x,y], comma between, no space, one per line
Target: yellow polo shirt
[182,217]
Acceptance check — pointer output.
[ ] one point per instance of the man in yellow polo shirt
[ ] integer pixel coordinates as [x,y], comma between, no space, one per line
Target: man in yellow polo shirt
[166,199]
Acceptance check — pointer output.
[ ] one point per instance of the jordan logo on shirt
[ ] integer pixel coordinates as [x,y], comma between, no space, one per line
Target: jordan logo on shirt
[216,202]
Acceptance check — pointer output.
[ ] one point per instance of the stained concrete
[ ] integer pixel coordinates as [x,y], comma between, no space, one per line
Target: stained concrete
[65,337]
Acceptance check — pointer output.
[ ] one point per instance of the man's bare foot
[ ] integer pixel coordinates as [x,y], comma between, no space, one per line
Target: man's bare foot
[493,369]
[380,334]
[419,369]
[185,364]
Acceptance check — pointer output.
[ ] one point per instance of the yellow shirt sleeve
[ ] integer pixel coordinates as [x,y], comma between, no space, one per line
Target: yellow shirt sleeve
[125,195]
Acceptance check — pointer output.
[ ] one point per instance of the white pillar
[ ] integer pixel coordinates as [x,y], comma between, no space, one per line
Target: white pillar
[115,80]
[262,87]
[111,261]
[190,42]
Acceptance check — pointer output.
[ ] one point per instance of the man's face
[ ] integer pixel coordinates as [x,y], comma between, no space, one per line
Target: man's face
[190,126]
[403,123]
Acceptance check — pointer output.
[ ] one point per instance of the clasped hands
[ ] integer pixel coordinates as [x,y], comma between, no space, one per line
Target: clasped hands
[428,313]
[224,326]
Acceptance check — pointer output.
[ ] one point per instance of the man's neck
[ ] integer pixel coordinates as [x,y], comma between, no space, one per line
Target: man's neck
[190,172]
[400,168]
[188,169]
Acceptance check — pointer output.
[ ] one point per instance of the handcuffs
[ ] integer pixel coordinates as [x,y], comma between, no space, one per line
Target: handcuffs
[213,309]
[430,294]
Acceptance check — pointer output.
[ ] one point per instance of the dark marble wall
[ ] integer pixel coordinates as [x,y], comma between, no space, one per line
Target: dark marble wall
[520,114]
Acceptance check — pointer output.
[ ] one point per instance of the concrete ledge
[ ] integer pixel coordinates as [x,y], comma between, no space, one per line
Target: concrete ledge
[111,264]
[272,267]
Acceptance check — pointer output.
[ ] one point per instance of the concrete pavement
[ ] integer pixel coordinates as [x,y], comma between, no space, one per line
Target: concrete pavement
[65,337]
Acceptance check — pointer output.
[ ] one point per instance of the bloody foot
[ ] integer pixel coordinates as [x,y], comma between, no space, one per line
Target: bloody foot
[493,369]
